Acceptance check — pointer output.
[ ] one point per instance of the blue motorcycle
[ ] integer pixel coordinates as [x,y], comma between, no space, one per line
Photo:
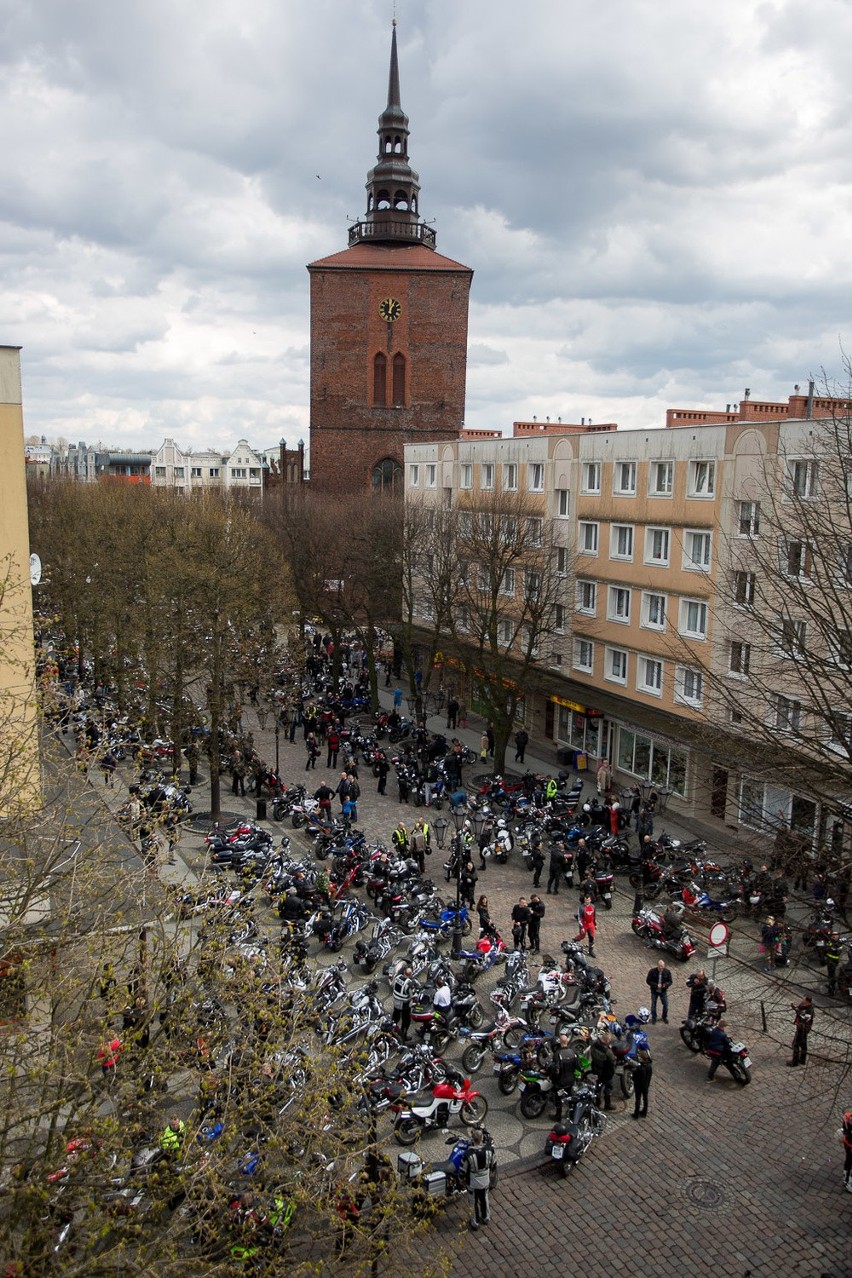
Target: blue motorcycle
[448,922]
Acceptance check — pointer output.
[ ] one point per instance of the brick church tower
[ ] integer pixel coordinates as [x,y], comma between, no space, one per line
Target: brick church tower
[388,329]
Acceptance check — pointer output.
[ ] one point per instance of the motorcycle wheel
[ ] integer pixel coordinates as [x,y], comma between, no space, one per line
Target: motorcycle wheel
[637,928]
[565,1169]
[440,1039]
[635,881]
[608,904]
[473,1111]
[741,1073]
[688,1036]
[730,913]
[407,1131]
[439,1070]
[472,1057]
[651,891]
[508,1082]
[369,966]
[627,1084]
[297,820]
[437,804]
[532,1104]
[467,927]
[513,1035]
[476,1016]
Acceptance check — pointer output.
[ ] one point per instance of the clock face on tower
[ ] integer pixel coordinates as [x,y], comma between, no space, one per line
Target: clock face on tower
[390,309]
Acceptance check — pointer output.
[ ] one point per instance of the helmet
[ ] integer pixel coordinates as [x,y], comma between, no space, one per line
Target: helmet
[643,1015]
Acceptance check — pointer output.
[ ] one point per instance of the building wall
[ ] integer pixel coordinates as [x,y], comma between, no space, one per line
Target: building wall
[19,761]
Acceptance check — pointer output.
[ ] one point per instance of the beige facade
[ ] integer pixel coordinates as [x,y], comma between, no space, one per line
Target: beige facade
[651,529]
[19,758]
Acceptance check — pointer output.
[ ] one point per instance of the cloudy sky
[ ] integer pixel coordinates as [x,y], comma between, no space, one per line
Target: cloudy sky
[654,196]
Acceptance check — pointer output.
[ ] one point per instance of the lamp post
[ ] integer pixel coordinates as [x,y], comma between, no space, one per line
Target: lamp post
[440,825]
[459,819]
[646,787]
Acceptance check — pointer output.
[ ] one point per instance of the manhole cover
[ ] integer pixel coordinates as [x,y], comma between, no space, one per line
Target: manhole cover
[704,1194]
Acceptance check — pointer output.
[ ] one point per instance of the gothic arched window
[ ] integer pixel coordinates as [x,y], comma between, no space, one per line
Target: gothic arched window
[387,476]
[398,400]
[380,381]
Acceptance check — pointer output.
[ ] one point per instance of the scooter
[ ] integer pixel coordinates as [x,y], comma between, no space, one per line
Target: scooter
[567,1142]
[455,1096]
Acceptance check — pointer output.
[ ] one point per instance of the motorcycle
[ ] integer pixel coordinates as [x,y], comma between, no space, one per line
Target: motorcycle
[368,954]
[649,926]
[567,1142]
[444,1180]
[454,1097]
[698,900]
[694,1032]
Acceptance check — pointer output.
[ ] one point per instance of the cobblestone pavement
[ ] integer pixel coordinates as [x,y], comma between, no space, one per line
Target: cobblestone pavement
[739,1182]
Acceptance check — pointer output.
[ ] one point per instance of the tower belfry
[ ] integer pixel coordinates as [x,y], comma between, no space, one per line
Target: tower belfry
[393,187]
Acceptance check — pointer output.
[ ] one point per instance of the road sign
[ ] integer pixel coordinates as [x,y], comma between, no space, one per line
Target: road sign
[719,934]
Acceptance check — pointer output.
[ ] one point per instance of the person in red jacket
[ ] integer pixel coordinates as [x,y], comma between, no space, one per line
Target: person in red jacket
[108,1054]
[587,918]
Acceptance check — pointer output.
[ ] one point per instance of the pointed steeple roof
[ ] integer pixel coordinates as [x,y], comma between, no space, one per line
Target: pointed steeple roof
[393,187]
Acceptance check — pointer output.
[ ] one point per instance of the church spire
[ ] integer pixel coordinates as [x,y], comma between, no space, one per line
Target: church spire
[393,187]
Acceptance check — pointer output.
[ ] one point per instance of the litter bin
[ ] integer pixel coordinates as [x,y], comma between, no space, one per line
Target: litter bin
[261,809]
[565,757]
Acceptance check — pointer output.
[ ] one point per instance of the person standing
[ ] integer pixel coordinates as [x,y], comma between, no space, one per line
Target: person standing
[846,1133]
[313,750]
[587,918]
[604,777]
[697,983]
[557,865]
[642,1075]
[417,847]
[536,858]
[452,712]
[520,923]
[521,742]
[477,1166]
[483,747]
[486,927]
[768,942]
[644,825]
[403,987]
[804,1024]
[833,955]
[659,981]
[603,1066]
[489,732]
[536,908]
[467,885]
[332,742]
[382,769]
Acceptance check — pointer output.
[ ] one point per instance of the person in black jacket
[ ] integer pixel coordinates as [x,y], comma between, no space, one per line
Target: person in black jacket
[697,983]
[603,1066]
[642,1074]
[520,923]
[536,909]
[718,1048]
[659,981]
[557,865]
[561,1073]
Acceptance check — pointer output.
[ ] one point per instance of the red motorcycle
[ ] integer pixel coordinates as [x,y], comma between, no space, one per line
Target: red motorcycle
[455,1096]
[650,926]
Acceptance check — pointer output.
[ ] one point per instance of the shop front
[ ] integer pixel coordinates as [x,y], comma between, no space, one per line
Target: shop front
[647,756]
[576,729]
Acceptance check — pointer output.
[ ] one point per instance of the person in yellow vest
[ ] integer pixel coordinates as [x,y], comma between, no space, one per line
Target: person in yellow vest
[171,1140]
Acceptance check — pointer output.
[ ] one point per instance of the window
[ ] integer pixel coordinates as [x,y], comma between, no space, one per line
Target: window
[427,608]
[693,618]
[621,541]
[195,472]
[696,550]
[254,474]
[387,476]
[744,585]
[702,479]
[841,731]
[797,561]
[532,584]
[214,472]
[562,561]
[508,529]
[591,477]
[559,619]
[466,475]
[661,479]
[465,523]
[739,658]
[788,714]
[431,475]
[482,582]
[486,476]
[840,643]
[238,472]
[507,583]
[615,666]
[689,685]
[653,611]
[399,381]
[624,479]
[618,604]
[644,757]
[180,472]
[535,477]
[657,546]
[845,562]
[510,477]
[588,534]
[529,641]
[413,475]
[380,381]
[650,675]
[534,531]
[563,505]
[791,639]
[803,478]
[587,597]
[160,472]
[584,655]
[505,633]
[748,518]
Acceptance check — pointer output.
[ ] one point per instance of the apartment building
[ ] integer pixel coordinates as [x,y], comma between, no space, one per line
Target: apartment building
[655,535]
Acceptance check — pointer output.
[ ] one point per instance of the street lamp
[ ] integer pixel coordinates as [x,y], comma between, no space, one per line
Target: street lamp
[440,825]
[646,787]
[663,796]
